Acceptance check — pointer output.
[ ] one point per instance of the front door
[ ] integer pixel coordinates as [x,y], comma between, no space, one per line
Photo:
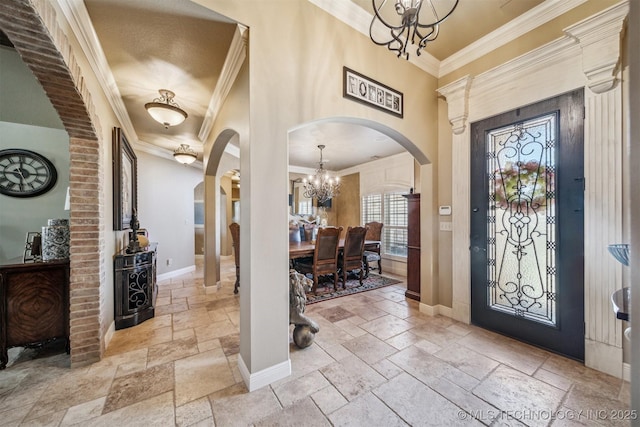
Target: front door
[527,220]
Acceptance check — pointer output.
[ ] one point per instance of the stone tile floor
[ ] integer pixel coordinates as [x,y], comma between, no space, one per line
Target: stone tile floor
[377,361]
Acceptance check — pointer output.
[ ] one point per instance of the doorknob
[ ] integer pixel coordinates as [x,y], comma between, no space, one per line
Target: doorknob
[475,209]
[477,249]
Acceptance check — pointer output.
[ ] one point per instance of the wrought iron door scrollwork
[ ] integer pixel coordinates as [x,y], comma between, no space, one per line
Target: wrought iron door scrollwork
[521,219]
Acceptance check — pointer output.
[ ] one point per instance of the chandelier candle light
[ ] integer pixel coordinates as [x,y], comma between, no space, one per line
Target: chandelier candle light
[321,186]
[395,24]
[185,154]
[165,110]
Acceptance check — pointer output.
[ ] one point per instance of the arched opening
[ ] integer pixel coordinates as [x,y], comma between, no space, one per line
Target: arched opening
[378,166]
[220,161]
[87,279]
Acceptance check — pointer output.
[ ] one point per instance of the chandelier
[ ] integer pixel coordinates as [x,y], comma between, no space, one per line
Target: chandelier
[321,186]
[405,21]
[165,110]
[185,154]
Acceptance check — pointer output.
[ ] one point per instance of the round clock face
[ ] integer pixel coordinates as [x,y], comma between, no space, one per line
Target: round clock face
[24,173]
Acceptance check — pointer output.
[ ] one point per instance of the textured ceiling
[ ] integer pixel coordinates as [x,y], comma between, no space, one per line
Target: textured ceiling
[181,46]
[471,20]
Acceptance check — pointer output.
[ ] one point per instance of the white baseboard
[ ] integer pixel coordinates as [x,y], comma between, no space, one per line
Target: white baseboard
[603,357]
[434,310]
[266,376]
[626,372]
[175,273]
[109,334]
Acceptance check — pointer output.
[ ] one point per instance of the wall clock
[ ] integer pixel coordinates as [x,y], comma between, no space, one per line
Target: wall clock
[24,173]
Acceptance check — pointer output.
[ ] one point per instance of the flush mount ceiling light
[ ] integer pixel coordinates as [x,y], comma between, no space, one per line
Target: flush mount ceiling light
[396,23]
[185,154]
[165,110]
[321,186]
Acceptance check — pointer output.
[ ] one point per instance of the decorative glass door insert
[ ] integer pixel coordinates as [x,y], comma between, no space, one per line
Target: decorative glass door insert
[521,235]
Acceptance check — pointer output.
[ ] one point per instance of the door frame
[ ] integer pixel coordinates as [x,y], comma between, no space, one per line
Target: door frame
[525,80]
[565,336]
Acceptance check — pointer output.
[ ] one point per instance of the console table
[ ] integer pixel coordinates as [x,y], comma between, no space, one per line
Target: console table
[135,287]
[34,305]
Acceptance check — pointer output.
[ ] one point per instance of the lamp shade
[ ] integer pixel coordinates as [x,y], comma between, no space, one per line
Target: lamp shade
[185,154]
[165,110]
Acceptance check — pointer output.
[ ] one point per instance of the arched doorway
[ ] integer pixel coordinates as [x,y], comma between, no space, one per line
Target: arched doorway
[73,103]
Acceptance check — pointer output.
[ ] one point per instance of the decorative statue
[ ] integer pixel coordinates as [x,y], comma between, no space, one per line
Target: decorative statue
[305,329]
[134,245]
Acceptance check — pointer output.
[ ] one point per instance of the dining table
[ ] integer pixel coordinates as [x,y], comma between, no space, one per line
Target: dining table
[305,248]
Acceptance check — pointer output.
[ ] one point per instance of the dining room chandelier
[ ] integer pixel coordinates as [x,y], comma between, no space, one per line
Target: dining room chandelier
[185,154]
[165,110]
[321,185]
[396,24]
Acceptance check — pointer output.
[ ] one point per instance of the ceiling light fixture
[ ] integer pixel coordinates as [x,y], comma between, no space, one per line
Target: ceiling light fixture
[408,20]
[165,110]
[185,154]
[321,186]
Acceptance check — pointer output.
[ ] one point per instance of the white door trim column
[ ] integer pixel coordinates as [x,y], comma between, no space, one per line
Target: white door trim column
[563,65]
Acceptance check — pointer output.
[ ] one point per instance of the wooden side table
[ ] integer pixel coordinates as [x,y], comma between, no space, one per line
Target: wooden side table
[34,305]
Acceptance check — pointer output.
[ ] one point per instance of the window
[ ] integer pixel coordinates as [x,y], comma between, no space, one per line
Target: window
[391,210]
[305,207]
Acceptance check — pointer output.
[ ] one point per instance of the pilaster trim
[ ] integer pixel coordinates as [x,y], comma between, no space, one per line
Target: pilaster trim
[599,38]
[457,96]
[233,62]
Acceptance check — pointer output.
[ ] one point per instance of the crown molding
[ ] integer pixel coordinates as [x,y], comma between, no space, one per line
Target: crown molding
[360,20]
[521,25]
[233,62]
[77,16]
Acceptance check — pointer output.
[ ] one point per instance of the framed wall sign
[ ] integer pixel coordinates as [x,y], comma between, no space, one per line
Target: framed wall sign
[125,181]
[368,91]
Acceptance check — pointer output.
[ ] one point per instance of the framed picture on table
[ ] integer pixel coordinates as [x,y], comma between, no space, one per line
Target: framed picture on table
[125,181]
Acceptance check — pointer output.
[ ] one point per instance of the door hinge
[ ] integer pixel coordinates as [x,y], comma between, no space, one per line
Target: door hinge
[584,113]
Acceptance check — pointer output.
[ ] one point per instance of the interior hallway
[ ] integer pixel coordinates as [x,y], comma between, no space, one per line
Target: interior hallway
[377,361]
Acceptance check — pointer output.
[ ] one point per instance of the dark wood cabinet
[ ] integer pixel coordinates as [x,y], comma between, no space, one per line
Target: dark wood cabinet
[413,247]
[34,305]
[135,287]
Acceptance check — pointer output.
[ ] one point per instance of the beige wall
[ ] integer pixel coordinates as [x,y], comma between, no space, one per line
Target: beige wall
[347,204]
[290,84]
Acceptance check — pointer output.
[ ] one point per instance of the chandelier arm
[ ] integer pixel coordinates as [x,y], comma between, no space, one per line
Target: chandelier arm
[377,15]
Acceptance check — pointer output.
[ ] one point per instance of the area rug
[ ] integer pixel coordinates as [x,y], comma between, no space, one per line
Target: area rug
[374,281]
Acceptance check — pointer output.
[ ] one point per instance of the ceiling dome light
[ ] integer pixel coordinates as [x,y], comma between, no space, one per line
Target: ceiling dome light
[165,110]
[185,154]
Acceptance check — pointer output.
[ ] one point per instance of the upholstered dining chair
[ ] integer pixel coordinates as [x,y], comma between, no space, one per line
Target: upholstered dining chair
[374,232]
[352,255]
[234,227]
[325,256]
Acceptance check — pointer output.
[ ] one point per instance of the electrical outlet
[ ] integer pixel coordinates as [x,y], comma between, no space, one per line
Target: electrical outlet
[169,261]
[446,226]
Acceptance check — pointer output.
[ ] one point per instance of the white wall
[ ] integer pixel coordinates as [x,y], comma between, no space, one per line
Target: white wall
[165,209]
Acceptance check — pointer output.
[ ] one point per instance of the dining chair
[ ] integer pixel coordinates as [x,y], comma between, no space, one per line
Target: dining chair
[234,227]
[325,256]
[374,232]
[352,255]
